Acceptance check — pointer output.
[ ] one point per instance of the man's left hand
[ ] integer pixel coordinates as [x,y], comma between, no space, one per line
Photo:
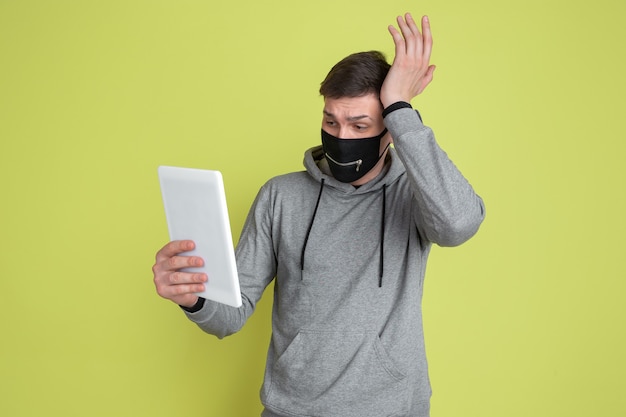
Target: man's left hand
[410,71]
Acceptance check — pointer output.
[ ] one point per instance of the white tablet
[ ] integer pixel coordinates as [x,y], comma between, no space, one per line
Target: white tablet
[195,208]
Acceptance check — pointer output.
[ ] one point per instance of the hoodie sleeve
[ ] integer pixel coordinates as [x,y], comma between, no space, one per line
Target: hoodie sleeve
[256,267]
[448,211]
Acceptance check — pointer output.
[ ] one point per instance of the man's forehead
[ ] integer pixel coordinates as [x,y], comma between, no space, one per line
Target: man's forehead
[353,108]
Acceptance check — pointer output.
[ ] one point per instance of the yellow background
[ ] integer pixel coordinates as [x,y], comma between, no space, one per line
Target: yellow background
[526,319]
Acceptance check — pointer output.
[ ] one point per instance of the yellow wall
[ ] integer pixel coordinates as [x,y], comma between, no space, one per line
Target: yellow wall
[527,319]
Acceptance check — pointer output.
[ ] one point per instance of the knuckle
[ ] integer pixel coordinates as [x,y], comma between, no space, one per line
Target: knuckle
[180,290]
[171,262]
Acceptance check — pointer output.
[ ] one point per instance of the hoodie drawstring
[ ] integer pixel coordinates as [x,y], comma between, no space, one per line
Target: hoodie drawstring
[308,232]
[382,239]
[382,233]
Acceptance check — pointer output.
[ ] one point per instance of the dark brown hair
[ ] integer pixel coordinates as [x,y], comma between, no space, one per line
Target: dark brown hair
[356,75]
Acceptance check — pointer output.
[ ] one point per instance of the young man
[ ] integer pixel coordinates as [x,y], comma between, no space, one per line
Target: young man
[347,242]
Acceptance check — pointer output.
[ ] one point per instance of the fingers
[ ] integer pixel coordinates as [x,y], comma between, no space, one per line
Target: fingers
[179,262]
[167,258]
[173,248]
[409,40]
[398,40]
[169,263]
[170,280]
[411,35]
[427,38]
[179,283]
[173,284]
[168,272]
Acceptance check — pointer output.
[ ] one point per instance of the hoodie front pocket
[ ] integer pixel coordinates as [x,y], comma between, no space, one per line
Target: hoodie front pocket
[337,374]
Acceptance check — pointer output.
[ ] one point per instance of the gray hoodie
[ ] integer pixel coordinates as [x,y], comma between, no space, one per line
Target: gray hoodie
[347,338]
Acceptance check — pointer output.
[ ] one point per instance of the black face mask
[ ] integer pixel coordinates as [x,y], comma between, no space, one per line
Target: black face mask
[351,159]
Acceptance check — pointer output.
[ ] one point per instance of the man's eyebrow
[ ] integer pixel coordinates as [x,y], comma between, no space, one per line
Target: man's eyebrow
[350,118]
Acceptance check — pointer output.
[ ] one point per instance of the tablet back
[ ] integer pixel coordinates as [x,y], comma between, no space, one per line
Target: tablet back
[195,208]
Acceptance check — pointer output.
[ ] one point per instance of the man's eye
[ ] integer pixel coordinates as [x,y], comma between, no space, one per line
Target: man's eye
[330,123]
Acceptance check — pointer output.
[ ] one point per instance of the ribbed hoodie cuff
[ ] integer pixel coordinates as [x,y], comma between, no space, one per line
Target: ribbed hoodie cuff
[196,307]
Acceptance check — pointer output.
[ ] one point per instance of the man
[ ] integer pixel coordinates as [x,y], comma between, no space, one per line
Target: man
[347,242]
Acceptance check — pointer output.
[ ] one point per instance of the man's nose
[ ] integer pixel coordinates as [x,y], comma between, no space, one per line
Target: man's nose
[346,133]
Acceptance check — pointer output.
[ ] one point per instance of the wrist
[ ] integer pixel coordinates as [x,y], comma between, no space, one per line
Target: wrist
[388,100]
[197,306]
[395,106]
